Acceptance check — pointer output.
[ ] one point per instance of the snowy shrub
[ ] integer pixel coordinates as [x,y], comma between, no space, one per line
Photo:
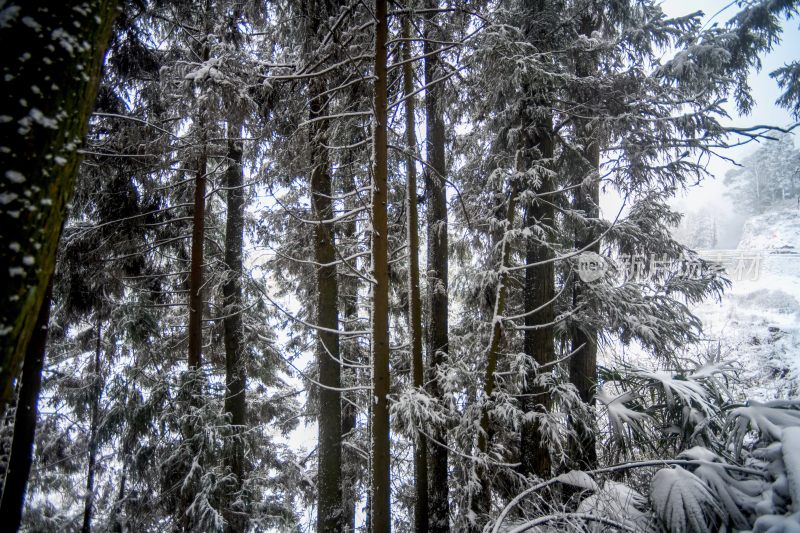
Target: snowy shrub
[759,491]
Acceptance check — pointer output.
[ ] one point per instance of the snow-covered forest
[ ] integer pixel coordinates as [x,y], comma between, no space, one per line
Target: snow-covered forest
[307,265]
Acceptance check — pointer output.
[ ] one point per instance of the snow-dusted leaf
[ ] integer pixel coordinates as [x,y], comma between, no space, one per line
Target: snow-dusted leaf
[767,418]
[620,415]
[682,502]
[711,370]
[736,496]
[790,440]
[687,392]
[618,502]
[777,524]
[414,409]
[699,453]
[578,478]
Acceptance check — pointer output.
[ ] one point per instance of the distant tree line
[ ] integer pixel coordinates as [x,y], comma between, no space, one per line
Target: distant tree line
[767,177]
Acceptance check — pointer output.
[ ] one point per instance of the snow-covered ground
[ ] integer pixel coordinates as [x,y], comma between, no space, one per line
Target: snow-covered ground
[757,322]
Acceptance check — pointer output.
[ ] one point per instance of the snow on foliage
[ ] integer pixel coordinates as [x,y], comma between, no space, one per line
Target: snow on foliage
[768,419]
[618,502]
[682,501]
[790,442]
[619,415]
[578,478]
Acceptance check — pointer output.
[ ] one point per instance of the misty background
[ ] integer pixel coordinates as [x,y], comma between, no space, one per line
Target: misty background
[711,213]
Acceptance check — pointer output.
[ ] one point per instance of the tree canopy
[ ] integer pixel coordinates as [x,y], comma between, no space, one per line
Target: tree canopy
[344,266]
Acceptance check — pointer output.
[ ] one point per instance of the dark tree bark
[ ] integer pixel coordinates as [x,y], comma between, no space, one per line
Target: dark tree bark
[437,269]
[583,363]
[196,270]
[330,512]
[235,375]
[21,458]
[196,302]
[329,473]
[196,278]
[380,505]
[539,291]
[49,85]
[94,444]
[539,313]
[414,300]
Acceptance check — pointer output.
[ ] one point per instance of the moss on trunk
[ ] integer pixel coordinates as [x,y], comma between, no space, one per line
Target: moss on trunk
[54,52]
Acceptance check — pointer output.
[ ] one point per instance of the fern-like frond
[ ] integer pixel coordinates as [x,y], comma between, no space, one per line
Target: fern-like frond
[768,419]
[682,501]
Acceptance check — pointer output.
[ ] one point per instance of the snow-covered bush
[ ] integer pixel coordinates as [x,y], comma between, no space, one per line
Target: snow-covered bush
[742,475]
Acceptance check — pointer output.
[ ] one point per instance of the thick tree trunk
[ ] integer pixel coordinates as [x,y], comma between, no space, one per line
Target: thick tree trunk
[330,503]
[50,83]
[539,313]
[330,514]
[19,464]
[437,270]
[88,507]
[235,375]
[414,298]
[583,363]
[380,505]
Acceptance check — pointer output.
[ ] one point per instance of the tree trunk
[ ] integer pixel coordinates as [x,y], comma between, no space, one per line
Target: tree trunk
[349,417]
[21,458]
[437,270]
[196,269]
[118,522]
[235,375]
[414,298]
[583,363]
[480,501]
[380,505]
[351,355]
[539,314]
[329,474]
[196,304]
[88,508]
[49,107]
